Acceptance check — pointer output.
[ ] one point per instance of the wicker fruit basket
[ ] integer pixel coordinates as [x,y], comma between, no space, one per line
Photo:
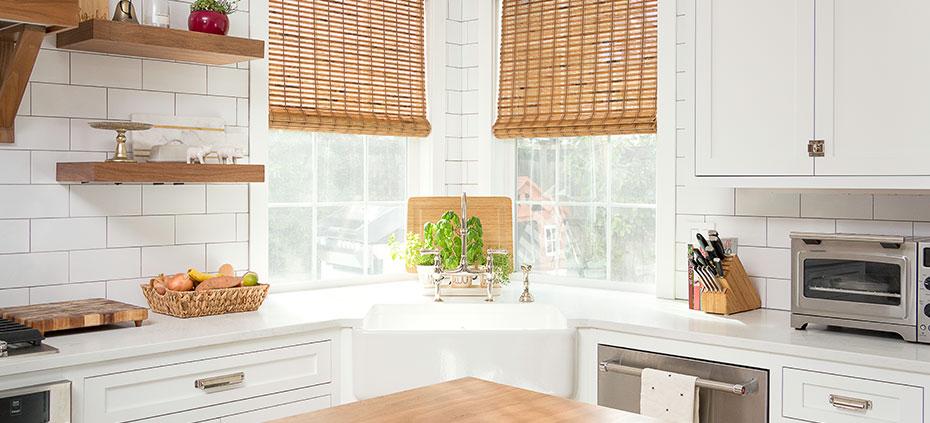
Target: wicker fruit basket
[186,304]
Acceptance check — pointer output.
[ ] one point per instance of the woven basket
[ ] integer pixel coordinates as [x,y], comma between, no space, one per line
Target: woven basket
[186,304]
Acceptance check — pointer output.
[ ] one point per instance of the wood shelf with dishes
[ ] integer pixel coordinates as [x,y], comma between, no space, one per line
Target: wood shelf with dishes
[151,172]
[129,39]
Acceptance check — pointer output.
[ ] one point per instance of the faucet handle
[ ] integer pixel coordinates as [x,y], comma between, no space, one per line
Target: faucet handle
[526,268]
[437,259]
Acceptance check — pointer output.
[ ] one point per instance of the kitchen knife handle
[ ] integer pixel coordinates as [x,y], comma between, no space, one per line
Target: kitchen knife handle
[702,242]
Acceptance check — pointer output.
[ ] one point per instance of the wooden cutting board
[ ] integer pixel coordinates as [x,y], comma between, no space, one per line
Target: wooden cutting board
[75,314]
[496,214]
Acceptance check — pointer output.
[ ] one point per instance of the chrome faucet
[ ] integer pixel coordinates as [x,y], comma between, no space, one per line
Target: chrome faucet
[462,269]
[526,297]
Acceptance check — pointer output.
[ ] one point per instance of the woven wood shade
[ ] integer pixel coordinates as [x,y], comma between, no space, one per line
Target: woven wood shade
[577,67]
[348,66]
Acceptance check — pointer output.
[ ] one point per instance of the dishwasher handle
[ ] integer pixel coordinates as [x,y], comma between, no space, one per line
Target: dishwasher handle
[741,389]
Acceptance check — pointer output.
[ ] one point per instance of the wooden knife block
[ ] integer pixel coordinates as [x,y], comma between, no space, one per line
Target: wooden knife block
[738,293]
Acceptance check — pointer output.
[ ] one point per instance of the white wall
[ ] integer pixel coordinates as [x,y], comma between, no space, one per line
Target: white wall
[62,241]
[762,219]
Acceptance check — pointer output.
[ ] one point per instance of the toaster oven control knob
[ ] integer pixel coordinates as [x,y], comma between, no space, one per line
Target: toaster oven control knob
[927,283]
[927,310]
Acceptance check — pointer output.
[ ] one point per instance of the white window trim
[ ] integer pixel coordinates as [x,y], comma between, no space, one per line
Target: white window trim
[551,240]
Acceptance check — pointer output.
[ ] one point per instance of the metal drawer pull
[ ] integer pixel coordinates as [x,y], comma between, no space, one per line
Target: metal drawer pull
[219,381]
[733,388]
[848,403]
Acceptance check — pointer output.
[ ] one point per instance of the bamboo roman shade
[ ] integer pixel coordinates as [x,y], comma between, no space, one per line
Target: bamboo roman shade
[349,66]
[577,67]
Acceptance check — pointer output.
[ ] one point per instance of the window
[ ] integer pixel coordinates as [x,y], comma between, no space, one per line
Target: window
[591,202]
[334,200]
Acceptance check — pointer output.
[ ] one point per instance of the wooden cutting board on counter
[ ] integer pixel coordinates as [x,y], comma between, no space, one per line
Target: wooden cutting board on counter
[76,314]
[496,214]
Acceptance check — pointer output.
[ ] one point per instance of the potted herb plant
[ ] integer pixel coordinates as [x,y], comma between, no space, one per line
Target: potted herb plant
[211,16]
[410,254]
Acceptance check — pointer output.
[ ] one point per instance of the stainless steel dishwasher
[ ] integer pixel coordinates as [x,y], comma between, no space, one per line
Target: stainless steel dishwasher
[728,393]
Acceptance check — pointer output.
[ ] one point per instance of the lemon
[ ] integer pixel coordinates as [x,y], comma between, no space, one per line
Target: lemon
[250,279]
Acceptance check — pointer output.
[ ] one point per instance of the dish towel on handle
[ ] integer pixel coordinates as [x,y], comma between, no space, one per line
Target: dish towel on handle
[669,397]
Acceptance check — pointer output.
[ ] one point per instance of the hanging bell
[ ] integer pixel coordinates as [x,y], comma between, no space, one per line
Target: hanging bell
[125,12]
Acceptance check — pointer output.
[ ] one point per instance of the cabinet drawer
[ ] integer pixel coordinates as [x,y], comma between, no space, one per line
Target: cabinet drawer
[824,397]
[258,409]
[185,386]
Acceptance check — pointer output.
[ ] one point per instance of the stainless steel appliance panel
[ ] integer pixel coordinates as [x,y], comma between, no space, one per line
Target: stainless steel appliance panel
[48,403]
[718,403]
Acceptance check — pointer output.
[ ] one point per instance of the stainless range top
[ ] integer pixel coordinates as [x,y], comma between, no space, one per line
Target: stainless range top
[17,339]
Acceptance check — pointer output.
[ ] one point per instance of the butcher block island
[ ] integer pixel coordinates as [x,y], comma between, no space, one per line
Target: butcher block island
[468,400]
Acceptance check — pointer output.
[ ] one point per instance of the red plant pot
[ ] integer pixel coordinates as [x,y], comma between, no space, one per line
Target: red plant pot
[208,21]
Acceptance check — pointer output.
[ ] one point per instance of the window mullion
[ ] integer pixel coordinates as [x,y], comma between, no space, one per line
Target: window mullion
[315,270]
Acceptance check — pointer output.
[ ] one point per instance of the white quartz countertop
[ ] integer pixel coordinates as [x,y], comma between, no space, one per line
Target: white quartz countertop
[307,311]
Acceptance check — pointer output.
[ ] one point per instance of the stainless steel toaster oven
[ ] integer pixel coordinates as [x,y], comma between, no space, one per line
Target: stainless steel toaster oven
[873,282]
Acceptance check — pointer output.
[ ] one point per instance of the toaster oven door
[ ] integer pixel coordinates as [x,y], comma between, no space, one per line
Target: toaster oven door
[851,285]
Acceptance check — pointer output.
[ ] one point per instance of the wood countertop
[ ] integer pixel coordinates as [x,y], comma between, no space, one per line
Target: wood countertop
[467,400]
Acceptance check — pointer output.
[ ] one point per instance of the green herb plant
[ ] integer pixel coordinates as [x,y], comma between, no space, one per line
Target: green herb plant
[445,235]
[226,7]
[409,252]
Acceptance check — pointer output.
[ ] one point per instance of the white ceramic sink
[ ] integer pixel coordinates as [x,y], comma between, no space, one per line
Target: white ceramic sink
[405,346]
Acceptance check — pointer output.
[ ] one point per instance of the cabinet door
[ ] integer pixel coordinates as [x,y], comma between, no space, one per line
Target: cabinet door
[873,95]
[754,87]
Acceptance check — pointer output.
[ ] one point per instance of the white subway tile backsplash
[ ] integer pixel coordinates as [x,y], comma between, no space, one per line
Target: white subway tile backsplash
[453,149]
[234,253]
[69,101]
[14,167]
[779,229]
[71,292]
[201,228]
[127,291]
[14,297]
[40,133]
[45,163]
[101,265]
[227,198]
[51,66]
[681,285]
[20,270]
[778,294]
[766,262]
[85,138]
[178,13]
[206,106]
[685,224]
[760,285]
[681,256]
[242,111]
[106,71]
[172,259]
[242,227]
[239,25]
[902,207]
[140,231]
[455,32]
[471,32]
[174,199]
[455,172]
[123,103]
[176,77]
[695,200]
[874,227]
[78,233]
[469,10]
[836,205]
[14,236]
[33,201]
[749,230]
[767,203]
[228,82]
[455,9]
[106,200]
[921,229]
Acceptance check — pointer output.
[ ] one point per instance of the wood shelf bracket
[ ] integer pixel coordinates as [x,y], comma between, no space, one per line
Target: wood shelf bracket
[19,47]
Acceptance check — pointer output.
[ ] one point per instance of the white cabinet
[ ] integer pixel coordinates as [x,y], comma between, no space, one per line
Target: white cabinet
[209,388]
[823,397]
[754,87]
[873,87]
[771,75]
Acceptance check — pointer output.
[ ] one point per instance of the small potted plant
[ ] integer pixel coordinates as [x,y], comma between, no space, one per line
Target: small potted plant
[410,254]
[211,16]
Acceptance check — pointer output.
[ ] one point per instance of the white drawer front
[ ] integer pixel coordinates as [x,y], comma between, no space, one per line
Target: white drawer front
[807,396]
[169,389]
[258,409]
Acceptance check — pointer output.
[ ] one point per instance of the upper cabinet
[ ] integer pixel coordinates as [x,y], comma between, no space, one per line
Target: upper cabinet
[808,93]
[754,87]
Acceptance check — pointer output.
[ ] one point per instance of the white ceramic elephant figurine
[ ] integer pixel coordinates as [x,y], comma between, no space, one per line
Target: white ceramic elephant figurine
[227,154]
[197,154]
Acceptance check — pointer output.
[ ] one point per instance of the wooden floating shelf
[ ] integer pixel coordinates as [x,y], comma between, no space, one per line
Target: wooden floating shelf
[128,39]
[108,172]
